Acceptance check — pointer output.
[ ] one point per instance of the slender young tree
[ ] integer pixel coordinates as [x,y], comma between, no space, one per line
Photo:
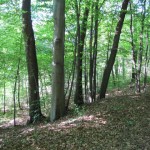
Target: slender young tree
[73,74]
[32,66]
[95,19]
[140,55]
[146,60]
[15,89]
[134,52]
[3,77]
[78,98]
[95,44]
[91,55]
[58,100]
[114,50]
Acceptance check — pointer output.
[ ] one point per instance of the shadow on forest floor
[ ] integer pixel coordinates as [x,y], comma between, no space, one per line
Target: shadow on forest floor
[117,122]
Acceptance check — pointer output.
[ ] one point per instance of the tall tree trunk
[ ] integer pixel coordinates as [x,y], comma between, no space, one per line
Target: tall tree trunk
[18,73]
[73,72]
[85,73]
[14,90]
[78,98]
[138,83]
[4,92]
[18,97]
[134,52]
[58,99]
[114,50]
[71,86]
[95,48]
[146,60]
[108,51]
[32,66]
[91,55]
[26,89]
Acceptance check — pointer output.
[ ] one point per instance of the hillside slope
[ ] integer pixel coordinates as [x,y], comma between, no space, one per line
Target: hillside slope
[116,123]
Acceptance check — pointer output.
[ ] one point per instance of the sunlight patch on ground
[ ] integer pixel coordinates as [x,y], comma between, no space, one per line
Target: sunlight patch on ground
[26,131]
[83,120]
[10,122]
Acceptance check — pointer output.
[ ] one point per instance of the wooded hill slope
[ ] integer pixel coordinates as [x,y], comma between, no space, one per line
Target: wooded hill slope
[115,123]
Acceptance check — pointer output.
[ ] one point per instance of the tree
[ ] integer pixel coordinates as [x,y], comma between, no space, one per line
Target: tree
[93,47]
[140,55]
[32,66]
[78,98]
[134,52]
[114,50]
[58,100]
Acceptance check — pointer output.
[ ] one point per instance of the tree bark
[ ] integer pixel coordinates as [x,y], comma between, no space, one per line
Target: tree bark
[146,60]
[78,98]
[15,89]
[114,50]
[32,66]
[73,73]
[91,55]
[138,83]
[95,47]
[58,100]
[4,85]
[134,52]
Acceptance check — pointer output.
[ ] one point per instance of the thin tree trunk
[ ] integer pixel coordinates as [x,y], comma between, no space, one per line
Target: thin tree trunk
[114,50]
[4,96]
[85,73]
[18,73]
[18,97]
[134,52]
[71,86]
[108,51]
[146,61]
[95,48]
[69,78]
[91,55]
[78,98]
[14,91]
[138,83]
[73,73]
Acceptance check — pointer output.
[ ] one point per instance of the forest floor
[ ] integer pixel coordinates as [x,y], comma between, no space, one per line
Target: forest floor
[119,122]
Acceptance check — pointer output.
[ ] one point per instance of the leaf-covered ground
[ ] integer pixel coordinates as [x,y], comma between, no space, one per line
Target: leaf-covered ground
[116,123]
